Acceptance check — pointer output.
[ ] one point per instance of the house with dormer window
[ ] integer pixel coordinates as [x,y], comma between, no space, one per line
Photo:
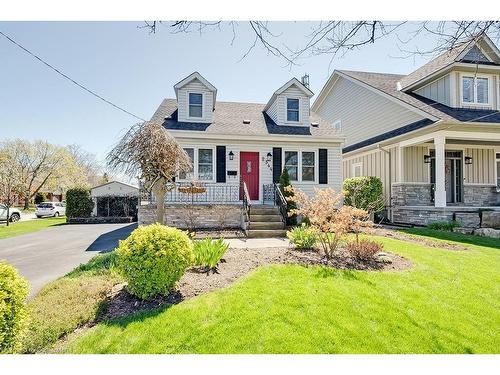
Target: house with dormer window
[239,150]
[432,136]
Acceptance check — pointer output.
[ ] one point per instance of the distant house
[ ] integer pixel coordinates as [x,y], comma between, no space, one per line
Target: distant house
[432,136]
[239,150]
[115,199]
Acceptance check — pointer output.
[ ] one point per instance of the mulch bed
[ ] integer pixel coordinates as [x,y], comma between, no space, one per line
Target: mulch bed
[237,263]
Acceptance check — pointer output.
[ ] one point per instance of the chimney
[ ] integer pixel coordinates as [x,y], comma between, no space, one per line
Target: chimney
[305,80]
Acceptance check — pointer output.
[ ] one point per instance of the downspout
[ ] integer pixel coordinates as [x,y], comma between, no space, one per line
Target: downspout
[389,213]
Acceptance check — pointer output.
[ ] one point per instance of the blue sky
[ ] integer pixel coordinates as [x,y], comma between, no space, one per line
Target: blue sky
[136,70]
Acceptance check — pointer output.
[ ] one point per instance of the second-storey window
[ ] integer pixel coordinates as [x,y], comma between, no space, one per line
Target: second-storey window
[475,90]
[292,164]
[205,164]
[195,105]
[292,110]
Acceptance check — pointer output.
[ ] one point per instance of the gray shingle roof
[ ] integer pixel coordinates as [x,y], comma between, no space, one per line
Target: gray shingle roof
[387,83]
[228,120]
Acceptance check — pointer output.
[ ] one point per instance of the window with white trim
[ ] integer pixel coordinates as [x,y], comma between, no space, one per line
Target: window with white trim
[292,164]
[475,90]
[292,110]
[498,169]
[308,163]
[205,164]
[357,170]
[195,105]
[188,175]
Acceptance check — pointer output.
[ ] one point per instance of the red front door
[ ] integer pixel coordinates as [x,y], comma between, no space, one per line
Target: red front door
[249,170]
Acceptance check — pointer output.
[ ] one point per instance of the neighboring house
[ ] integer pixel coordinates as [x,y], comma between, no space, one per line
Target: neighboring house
[239,150]
[432,136]
[114,199]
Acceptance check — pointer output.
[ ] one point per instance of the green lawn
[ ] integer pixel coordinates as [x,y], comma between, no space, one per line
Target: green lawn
[22,227]
[449,302]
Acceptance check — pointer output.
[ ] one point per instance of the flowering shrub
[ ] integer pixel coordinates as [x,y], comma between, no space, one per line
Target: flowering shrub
[153,258]
[363,249]
[303,237]
[209,252]
[330,220]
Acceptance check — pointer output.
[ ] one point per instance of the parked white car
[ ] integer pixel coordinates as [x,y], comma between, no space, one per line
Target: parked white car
[14,213]
[53,209]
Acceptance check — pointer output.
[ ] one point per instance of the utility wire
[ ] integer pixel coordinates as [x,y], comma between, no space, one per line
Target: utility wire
[69,78]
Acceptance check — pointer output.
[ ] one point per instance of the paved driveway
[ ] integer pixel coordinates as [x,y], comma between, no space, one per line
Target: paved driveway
[45,255]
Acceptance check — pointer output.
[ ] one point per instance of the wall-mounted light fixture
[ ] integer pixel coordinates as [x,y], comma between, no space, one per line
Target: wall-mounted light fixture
[468,160]
[427,159]
[231,155]
[269,157]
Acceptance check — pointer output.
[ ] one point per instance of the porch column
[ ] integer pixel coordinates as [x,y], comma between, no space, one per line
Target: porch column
[440,188]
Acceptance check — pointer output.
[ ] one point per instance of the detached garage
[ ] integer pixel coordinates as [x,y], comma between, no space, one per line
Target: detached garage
[115,200]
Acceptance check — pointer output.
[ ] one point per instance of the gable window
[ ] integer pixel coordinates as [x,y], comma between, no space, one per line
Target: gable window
[292,164]
[292,110]
[475,90]
[189,175]
[357,170]
[308,166]
[205,164]
[337,125]
[498,170]
[195,105]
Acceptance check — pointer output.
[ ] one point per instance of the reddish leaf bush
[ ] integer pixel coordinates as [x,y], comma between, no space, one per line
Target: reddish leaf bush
[363,249]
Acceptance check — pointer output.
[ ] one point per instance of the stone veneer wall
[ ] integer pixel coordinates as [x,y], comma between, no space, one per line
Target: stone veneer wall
[481,196]
[406,215]
[411,194]
[200,216]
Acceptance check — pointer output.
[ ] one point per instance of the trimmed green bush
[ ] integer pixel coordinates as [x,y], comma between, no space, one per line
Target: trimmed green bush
[284,182]
[364,192]
[208,252]
[303,237]
[153,258]
[444,225]
[13,311]
[78,202]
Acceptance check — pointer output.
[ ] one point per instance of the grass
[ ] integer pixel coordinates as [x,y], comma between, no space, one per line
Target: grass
[23,227]
[448,302]
[69,302]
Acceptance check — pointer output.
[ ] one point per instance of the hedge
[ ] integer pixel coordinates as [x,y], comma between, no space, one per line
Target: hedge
[364,192]
[79,203]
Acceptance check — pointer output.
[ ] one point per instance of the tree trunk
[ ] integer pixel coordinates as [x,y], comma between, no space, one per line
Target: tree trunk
[26,202]
[160,191]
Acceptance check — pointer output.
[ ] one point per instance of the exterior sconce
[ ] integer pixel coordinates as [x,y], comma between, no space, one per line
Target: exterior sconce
[231,155]
[427,159]
[468,160]
[269,157]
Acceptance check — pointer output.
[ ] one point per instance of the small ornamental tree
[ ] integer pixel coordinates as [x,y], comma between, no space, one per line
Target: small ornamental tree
[39,198]
[149,152]
[330,220]
[364,192]
[288,194]
[79,203]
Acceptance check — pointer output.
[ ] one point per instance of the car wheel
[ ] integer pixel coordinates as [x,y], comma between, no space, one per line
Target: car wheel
[56,214]
[38,216]
[15,217]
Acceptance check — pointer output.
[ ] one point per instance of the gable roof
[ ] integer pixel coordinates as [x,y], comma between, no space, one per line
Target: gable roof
[446,59]
[192,77]
[114,182]
[228,120]
[292,82]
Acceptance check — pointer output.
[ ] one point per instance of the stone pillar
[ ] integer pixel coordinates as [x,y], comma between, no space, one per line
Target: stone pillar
[440,189]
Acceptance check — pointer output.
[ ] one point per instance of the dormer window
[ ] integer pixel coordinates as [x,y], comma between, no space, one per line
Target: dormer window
[292,110]
[475,90]
[195,105]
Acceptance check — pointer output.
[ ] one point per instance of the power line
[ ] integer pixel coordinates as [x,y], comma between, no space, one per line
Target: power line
[69,78]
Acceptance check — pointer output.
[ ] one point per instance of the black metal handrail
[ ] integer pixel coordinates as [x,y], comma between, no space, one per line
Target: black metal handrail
[199,193]
[280,201]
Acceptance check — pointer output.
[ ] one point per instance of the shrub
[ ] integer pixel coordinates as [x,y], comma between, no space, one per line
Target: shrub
[153,258]
[303,237]
[78,202]
[40,197]
[364,192]
[13,312]
[288,195]
[444,225]
[363,249]
[208,252]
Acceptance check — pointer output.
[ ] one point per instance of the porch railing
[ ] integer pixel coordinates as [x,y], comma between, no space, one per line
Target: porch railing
[271,193]
[199,193]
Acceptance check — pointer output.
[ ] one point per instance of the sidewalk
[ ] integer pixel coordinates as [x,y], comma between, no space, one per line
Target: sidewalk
[256,243]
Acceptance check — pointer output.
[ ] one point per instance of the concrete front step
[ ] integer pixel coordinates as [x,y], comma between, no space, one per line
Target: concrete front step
[267,218]
[266,225]
[266,233]
[264,211]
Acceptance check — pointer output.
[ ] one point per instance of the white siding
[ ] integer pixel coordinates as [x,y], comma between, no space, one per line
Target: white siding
[364,114]
[482,169]
[114,188]
[195,86]
[277,110]
[438,90]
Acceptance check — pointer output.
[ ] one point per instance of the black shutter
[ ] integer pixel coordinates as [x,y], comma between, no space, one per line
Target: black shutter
[221,163]
[323,166]
[276,164]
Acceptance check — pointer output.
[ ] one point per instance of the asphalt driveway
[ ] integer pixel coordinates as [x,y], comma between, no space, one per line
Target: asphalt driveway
[45,255]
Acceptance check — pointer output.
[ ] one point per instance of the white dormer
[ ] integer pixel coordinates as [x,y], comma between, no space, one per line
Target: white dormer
[290,104]
[195,99]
